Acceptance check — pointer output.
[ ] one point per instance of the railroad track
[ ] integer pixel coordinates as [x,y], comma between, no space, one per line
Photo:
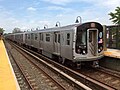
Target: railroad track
[110,72]
[50,83]
[102,75]
[77,79]
[20,75]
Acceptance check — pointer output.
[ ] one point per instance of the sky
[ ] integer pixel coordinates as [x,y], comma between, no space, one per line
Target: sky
[31,14]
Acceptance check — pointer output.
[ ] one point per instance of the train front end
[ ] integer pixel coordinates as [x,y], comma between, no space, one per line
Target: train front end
[88,42]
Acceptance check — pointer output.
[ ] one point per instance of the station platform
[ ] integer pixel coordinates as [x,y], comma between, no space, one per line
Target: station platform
[115,53]
[8,80]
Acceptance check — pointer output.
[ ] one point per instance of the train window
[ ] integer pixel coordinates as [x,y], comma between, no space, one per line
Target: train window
[55,37]
[25,36]
[28,36]
[90,36]
[81,38]
[58,38]
[41,36]
[68,39]
[18,37]
[32,36]
[36,36]
[48,37]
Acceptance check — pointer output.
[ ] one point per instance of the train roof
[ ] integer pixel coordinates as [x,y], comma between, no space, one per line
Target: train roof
[68,27]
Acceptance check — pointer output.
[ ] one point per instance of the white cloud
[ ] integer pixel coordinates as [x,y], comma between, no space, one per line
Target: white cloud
[59,15]
[62,10]
[59,2]
[66,15]
[8,21]
[55,8]
[111,4]
[31,9]
[101,3]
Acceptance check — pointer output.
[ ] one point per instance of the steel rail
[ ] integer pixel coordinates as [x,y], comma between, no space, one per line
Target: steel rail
[76,82]
[38,67]
[20,68]
[110,72]
[84,80]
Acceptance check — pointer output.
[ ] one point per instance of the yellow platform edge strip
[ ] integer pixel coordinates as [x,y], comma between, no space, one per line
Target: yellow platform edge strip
[8,80]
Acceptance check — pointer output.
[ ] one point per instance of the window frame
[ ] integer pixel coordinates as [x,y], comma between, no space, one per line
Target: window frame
[28,36]
[41,36]
[68,39]
[59,38]
[47,39]
[35,36]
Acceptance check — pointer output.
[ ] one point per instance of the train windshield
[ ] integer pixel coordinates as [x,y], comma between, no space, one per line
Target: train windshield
[81,38]
[81,41]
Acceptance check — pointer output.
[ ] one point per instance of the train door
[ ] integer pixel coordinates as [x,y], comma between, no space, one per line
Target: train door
[40,40]
[32,39]
[57,42]
[26,38]
[92,42]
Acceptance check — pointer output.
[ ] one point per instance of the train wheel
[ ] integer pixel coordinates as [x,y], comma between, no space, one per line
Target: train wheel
[78,65]
[61,60]
[96,64]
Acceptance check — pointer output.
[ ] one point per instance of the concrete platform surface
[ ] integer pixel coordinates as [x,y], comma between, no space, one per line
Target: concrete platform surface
[115,53]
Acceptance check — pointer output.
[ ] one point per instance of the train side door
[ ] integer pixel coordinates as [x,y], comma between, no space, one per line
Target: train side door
[57,42]
[41,41]
[32,39]
[26,37]
[92,42]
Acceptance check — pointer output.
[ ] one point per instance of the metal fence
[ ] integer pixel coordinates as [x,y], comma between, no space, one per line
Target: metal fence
[113,36]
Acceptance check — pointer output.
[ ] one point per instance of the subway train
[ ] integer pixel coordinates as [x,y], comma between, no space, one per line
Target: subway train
[77,44]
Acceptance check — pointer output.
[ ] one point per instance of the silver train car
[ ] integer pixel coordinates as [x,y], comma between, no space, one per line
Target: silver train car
[76,43]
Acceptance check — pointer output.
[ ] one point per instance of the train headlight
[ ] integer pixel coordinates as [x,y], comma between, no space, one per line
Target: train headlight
[79,46]
[84,52]
[78,50]
[84,46]
[99,50]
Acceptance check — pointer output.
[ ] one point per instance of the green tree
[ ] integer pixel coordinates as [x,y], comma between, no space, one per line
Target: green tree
[115,17]
[16,30]
[2,30]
